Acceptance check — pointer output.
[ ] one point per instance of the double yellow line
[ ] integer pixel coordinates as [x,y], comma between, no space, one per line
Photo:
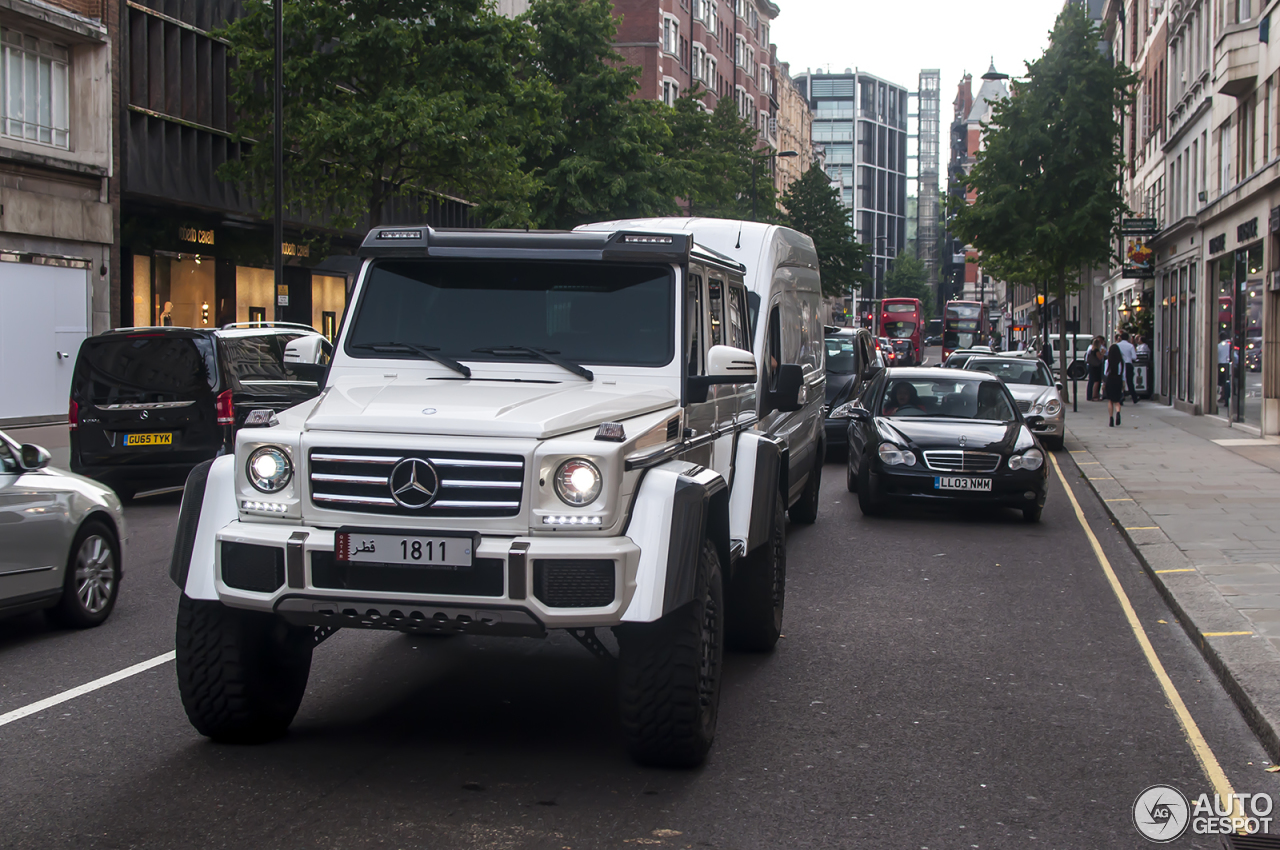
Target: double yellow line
[1208,762]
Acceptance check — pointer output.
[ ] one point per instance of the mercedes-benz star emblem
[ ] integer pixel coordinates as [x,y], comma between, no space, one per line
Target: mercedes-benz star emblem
[143,415]
[963,440]
[414,483]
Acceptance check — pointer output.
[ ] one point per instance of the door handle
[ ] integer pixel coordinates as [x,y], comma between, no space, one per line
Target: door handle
[63,355]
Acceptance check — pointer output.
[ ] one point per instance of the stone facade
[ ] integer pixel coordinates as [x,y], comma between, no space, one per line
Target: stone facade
[795,131]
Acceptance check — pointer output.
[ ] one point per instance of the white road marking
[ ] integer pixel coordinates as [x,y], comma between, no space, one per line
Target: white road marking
[89,687]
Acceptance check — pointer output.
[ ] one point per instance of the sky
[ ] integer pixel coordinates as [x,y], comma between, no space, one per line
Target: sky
[894,39]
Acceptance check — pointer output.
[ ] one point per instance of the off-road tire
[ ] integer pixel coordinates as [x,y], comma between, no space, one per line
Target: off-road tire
[669,675]
[758,591]
[870,502]
[805,510]
[241,674]
[1032,514]
[91,581]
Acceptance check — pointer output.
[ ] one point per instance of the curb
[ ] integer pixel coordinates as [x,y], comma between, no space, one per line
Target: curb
[1247,667]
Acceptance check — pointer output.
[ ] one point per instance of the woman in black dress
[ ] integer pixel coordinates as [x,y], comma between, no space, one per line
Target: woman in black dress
[1113,384]
[1094,360]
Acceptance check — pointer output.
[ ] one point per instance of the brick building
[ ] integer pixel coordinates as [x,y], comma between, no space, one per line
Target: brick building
[58,195]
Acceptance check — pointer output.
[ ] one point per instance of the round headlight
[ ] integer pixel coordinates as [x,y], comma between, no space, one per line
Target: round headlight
[1030,459]
[578,482]
[1039,408]
[1052,407]
[269,469]
[891,455]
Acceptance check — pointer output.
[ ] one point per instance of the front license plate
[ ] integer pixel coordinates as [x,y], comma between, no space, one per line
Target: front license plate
[956,482]
[361,548]
[148,439]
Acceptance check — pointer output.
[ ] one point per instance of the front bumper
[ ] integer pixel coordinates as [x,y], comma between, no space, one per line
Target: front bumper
[516,598]
[1009,489]
[1056,427]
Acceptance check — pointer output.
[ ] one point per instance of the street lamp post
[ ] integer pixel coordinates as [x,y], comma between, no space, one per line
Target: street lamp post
[756,159]
[278,156]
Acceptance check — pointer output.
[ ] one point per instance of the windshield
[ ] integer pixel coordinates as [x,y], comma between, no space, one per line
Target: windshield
[941,397]
[899,330]
[600,313]
[840,357]
[963,311]
[900,308]
[952,340]
[146,369]
[1032,372]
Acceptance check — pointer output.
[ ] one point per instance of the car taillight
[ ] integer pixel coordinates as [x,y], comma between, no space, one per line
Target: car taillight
[226,410]
[73,415]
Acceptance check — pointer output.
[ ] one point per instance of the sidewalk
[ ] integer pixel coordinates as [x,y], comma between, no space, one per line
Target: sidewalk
[1199,503]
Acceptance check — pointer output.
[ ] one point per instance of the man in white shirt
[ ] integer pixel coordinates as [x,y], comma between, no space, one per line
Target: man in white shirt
[1129,355]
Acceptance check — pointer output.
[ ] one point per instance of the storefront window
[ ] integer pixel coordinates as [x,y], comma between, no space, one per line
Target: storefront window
[254,289]
[183,291]
[1249,338]
[142,316]
[328,299]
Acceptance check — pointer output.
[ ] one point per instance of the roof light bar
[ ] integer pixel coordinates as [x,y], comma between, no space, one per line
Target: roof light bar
[399,234]
[648,240]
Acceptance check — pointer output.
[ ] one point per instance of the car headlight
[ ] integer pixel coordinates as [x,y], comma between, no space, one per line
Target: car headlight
[1037,408]
[269,469]
[1030,459]
[891,455]
[578,482]
[1052,407]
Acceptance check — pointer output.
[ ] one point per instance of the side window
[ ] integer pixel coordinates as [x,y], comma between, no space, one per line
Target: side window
[773,346]
[715,312]
[8,463]
[739,331]
[693,323]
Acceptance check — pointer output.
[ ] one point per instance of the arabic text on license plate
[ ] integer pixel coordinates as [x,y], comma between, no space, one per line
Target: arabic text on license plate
[148,439]
[361,548]
[956,482]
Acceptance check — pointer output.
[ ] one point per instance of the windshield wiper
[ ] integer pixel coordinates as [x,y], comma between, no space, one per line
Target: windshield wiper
[548,355]
[427,351]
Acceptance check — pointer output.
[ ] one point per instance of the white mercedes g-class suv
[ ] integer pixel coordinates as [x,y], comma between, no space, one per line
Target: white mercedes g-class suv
[518,432]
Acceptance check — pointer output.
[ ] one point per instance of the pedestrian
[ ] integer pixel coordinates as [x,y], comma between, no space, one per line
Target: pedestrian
[1130,356]
[1143,350]
[1093,359]
[1022,345]
[1046,353]
[1113,384]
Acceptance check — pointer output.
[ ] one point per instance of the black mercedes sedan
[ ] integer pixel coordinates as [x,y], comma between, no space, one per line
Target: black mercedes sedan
[933,434]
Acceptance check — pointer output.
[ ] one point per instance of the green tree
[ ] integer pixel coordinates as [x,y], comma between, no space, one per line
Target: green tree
[711,154]
[813,207]
[1046,181]
[386,98]
[604,157]
[907,278]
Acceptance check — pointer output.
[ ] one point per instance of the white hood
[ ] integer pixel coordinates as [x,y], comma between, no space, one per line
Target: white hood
[479,408]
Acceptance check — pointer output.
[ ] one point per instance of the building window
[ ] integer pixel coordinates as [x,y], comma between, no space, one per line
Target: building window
[709,67]
[33,90]
[670,91]
[713,18]
[670,35]
[746,104]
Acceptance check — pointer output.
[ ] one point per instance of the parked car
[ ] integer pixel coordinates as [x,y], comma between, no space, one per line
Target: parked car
[960,357]
[522,431]
[903,354]
[64,539]
[1033,388]
[887,354]
[941,435]
[851,362]
[149,404]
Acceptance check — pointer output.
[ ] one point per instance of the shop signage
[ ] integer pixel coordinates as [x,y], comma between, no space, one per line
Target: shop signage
[1218,244]
[1138,226]
[1247,231]
[191,234]
[282,296]
[291,250]
[1275,219]
[1139,260]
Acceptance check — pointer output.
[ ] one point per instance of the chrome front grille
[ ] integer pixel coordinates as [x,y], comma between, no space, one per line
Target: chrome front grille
[1024,406]
[949,460]
[470,485]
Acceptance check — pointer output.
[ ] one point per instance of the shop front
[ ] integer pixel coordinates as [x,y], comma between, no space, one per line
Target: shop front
[206,274]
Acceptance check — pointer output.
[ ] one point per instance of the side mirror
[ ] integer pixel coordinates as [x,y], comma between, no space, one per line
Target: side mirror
[1058,386]
[306,349]
[851,410]
[871,371]
[788,393]
[34,457]
[725,365]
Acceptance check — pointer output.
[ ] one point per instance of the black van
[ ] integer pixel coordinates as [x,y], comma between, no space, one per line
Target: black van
[148,404]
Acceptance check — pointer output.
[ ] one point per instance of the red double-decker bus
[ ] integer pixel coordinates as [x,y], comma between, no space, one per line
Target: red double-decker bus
[964,325]
[902,319]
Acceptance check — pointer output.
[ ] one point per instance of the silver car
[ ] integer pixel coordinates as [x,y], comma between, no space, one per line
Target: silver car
[62,539]
[1033,388]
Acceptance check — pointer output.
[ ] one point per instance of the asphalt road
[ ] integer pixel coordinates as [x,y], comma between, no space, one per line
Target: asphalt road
[947,680]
